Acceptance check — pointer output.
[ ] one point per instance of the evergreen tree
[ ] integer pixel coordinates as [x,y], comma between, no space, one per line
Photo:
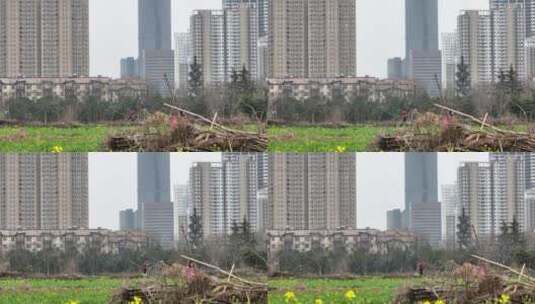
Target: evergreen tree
[464,233]
[462,80]
[195,82]
[195,233]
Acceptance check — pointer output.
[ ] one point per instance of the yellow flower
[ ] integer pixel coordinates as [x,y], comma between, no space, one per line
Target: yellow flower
[439,302]
[73,302]
[318,301]
[137,300]
[426,302]
[57,149]
[504,299]
[289,297]
[341,149]
[350,295]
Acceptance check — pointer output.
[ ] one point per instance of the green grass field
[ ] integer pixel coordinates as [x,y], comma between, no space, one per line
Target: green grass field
[369,290]
[282,139]
[48,291]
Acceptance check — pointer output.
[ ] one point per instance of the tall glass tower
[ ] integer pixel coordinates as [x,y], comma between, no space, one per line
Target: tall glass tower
[153,178]
[421,25]
[421,178]
[154,25]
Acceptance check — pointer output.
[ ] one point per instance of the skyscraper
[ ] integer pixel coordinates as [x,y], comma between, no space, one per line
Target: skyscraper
[450,213]
[156,58]
[241,185]
[422,56]
[44,38]
[262,8]
[529,13]
[312,38]
[508,39]
[154,25]
[183,59]
[425,220]
[128,67]
[155,210]
[475,44]
[127,220]
[208,44]
[421,179]
[43,191]
[313,191]
[421,25]
[153,178]
[241,38]
[450,56]
[206,187]
[508,189]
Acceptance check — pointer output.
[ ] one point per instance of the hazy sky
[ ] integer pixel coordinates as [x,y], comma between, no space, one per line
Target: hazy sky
[380,29]
[113,183]
[380,182]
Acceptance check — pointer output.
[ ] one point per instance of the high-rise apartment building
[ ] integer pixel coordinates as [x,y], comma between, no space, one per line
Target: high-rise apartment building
[183,59]
[43,191]
[241,38]
[206,188]
[240,186]
[421,178]
[312,38]
[226,41]
[182,208]
[529,12]
[262,9]
[508,189]
[450,55]
[508,26]
[42,38]
[475,44]
[208,44]
[314,191]
[530,210]
[475,194]
[530,58]
[450,213]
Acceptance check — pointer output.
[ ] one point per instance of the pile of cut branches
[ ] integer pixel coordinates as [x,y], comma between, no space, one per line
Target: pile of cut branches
[476,284]
[184,131]
[431,132]
[179,284]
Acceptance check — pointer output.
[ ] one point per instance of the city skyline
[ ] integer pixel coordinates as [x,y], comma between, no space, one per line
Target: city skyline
[372,203]
[119,35]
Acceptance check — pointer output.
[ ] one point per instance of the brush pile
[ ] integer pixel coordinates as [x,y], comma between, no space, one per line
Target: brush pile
[184,131]
[471,284]
[177,284]
[431,132]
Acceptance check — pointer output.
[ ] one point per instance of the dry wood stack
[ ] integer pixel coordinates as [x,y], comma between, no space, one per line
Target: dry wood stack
[475,135]
[171,286]
[503,285]
[185,131]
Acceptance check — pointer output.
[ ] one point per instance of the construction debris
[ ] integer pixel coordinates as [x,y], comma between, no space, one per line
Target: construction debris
[178,284]
[476,284]
[447,133]
[184,131]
